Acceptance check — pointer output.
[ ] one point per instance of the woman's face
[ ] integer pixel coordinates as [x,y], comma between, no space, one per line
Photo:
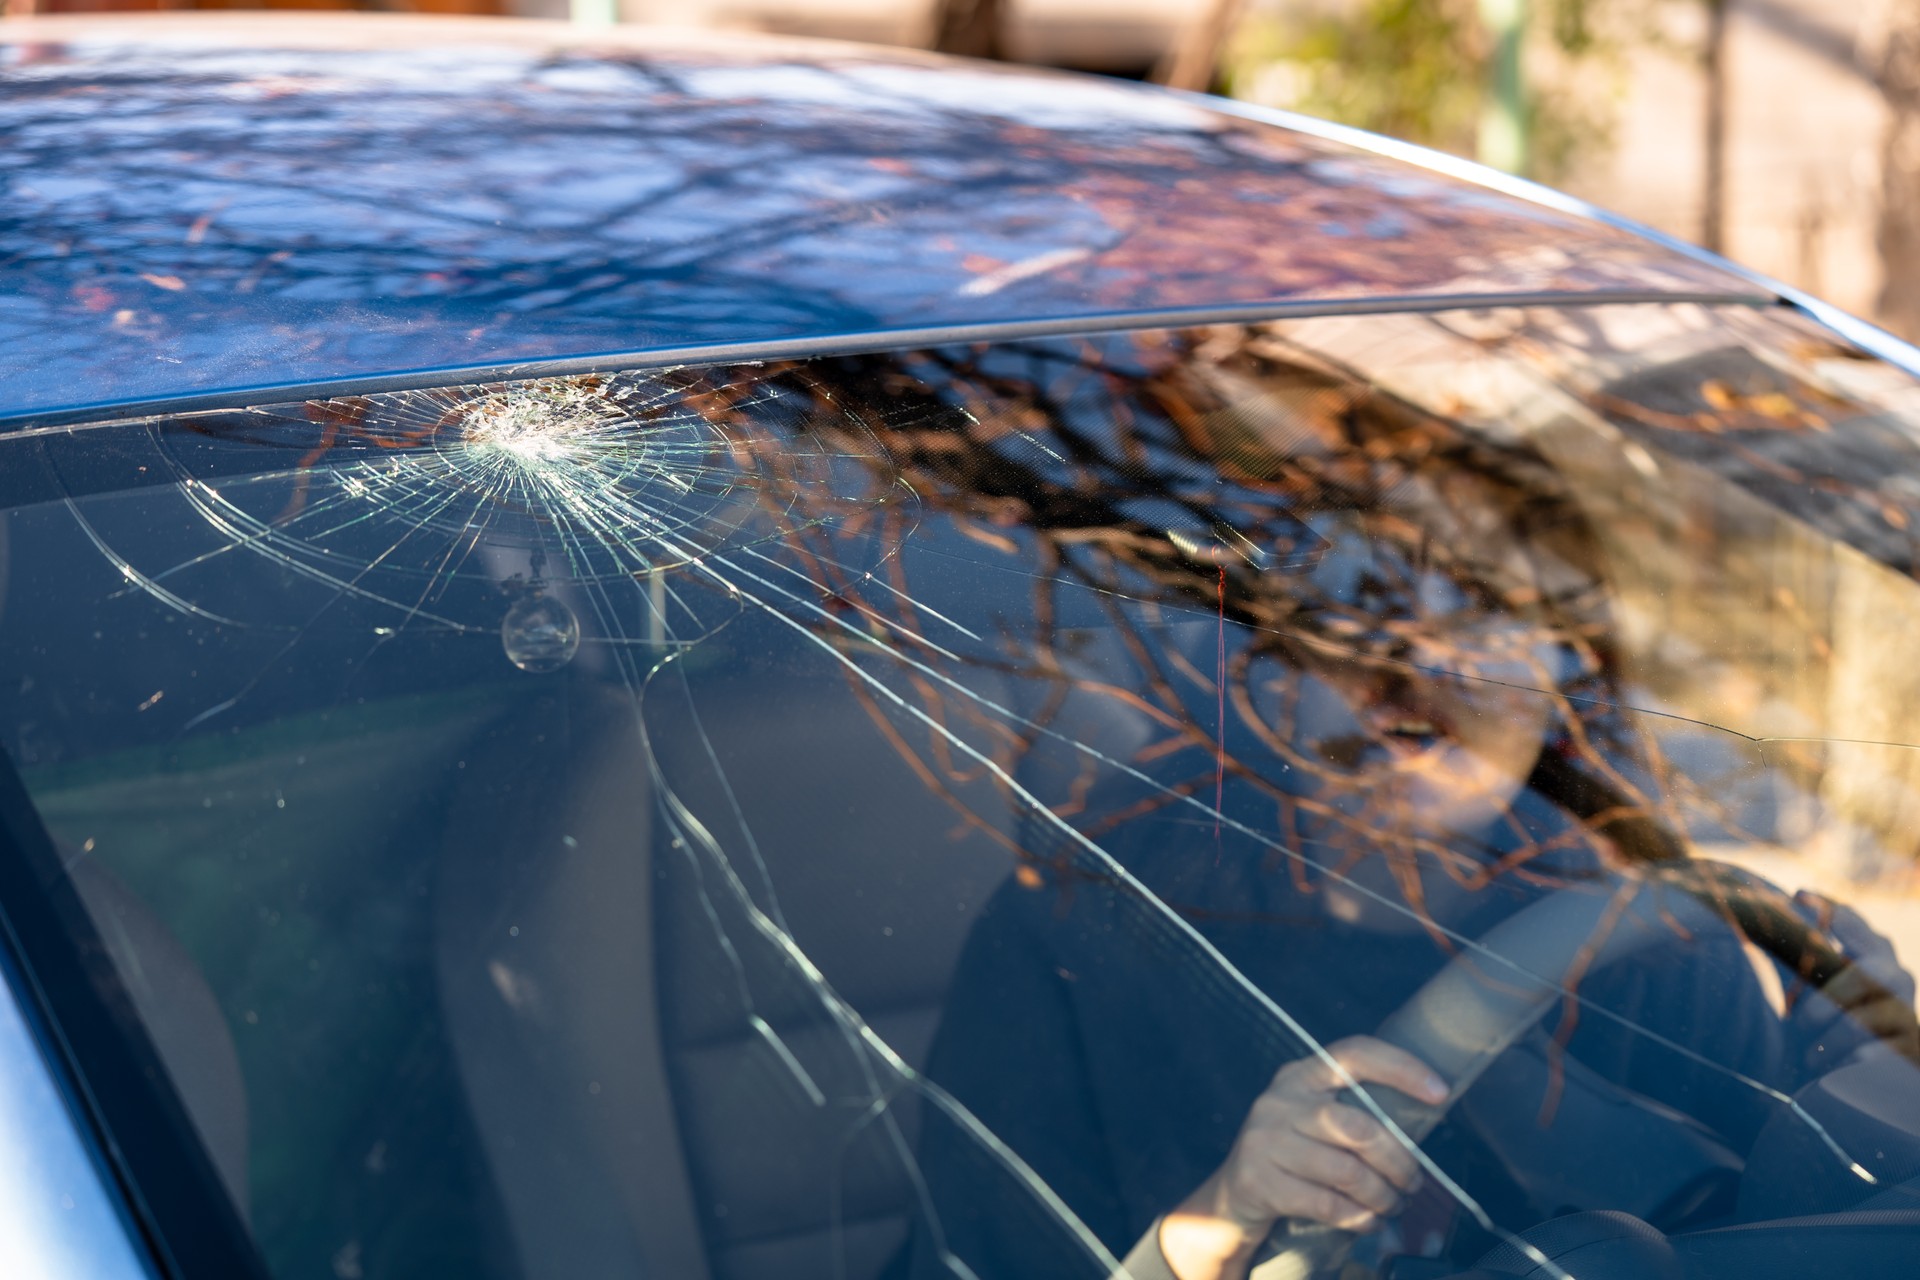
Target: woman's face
[1425,728]
[1442,739]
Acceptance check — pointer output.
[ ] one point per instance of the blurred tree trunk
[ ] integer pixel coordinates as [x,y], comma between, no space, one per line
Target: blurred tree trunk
[1713,195]
[971,28]
[1194,60]
[1502,139]
[1897,70]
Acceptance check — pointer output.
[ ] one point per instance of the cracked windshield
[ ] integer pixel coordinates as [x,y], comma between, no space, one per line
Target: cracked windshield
[1323,796]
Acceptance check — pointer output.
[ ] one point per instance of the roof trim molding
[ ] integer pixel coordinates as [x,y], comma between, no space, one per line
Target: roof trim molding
[66,420]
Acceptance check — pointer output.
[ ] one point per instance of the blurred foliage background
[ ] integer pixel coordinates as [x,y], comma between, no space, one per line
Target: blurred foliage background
[1426,70]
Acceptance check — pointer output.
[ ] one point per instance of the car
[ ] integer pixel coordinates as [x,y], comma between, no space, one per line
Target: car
[637,654]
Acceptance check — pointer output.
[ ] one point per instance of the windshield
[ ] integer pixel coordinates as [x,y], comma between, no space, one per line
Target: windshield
[982,811]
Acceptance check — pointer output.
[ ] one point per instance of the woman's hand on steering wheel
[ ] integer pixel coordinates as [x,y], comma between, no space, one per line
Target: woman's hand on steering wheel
[1873,989]
[1302,1153]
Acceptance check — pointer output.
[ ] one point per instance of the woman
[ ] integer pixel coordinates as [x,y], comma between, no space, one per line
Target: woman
[1254,840]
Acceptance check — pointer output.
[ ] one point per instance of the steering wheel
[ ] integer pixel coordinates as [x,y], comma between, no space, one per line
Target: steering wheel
[1482,1001]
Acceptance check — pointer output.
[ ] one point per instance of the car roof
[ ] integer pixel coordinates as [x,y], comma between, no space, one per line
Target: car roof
[200,210]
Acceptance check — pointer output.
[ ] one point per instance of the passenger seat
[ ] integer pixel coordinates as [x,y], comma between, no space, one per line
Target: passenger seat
[662,1088]
[799,1139]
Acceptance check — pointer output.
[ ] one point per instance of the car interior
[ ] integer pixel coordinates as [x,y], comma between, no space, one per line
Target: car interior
[657,1091]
